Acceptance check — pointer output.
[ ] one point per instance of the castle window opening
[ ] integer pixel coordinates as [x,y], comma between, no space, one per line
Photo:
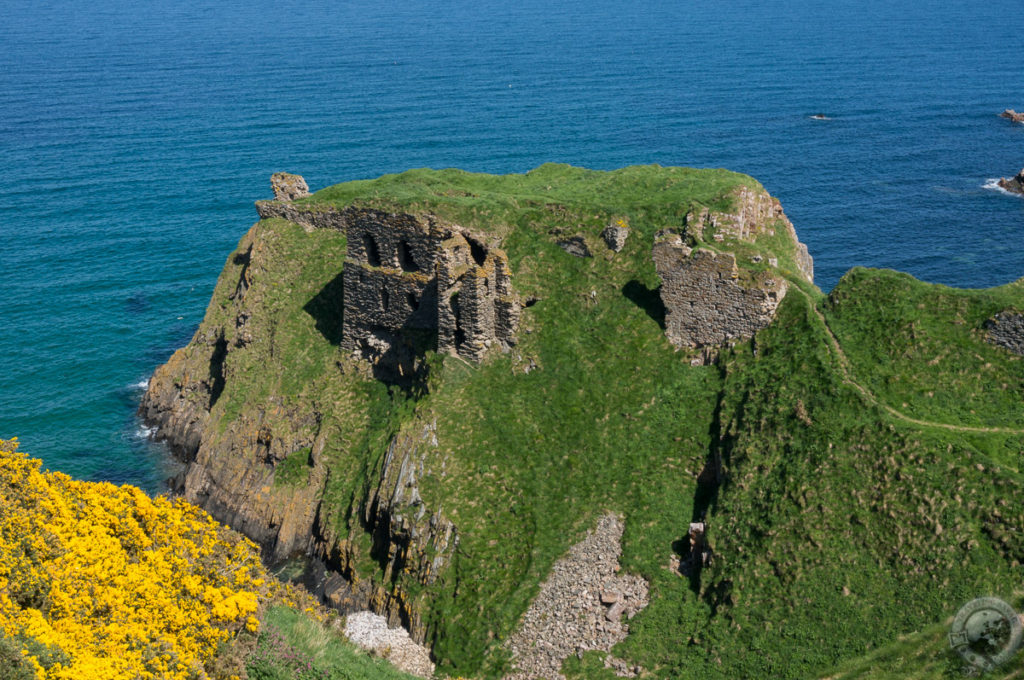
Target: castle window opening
[372,251]
[414,303]
[478,252]
[385,299]
[405,258]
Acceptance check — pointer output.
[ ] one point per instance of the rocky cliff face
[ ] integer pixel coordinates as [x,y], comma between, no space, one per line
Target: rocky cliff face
[294,436]
[231,471]
[262,464]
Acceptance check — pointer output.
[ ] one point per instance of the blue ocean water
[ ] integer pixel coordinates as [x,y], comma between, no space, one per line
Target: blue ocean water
[135,136]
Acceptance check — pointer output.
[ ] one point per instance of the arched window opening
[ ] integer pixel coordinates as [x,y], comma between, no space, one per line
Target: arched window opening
[414,303]
[405,258]
[385,299]
[372,252]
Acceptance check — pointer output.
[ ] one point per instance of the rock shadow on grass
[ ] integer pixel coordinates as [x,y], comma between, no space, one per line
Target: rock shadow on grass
[326,308]
[647,299]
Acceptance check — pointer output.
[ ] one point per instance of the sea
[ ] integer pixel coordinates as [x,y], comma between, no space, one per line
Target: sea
[135,136]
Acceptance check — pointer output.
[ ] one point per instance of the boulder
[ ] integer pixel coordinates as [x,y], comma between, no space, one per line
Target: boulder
[615,235]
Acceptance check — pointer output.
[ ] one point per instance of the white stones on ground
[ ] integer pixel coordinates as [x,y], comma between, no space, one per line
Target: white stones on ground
[580,608]
[370,631]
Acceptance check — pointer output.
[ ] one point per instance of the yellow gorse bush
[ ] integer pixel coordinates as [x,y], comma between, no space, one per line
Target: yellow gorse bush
[117,584]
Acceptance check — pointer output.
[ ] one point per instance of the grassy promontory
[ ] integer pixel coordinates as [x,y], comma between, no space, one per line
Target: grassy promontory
[868,439]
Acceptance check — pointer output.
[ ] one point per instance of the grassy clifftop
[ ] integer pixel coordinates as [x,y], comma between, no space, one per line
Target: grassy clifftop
[851,507]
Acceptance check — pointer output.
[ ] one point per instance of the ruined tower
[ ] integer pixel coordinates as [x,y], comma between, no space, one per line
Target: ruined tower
[412,283]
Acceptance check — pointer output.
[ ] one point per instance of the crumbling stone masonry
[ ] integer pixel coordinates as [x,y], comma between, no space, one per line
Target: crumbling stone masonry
[410,283]
[1006,329]
[705,304]
[288,187]
[709,301]
[408,279]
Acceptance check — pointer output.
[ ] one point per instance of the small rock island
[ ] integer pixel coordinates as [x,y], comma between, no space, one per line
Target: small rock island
[1014,184]
[1012,115]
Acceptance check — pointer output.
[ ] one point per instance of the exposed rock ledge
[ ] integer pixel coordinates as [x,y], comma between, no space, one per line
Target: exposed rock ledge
[580,607]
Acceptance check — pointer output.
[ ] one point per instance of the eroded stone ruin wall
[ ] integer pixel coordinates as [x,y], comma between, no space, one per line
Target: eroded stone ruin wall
[705,303]
[755,213]
[310,217]
[476,304]
[709,301]
[406,274]
[1006,329]
[389,283]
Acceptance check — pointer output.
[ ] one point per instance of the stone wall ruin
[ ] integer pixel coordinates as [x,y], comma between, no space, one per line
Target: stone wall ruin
[412,283]
[709,301]
[1006,329]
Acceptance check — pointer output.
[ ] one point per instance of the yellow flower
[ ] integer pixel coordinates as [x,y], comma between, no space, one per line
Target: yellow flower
[123,585]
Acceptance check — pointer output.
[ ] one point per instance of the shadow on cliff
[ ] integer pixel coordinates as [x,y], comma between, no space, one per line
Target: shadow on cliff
[326,309]
[647,299]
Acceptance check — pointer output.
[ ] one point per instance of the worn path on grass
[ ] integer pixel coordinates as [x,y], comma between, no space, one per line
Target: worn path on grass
[845,367]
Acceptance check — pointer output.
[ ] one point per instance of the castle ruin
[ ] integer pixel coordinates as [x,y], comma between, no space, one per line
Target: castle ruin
[413,283]
[710,301]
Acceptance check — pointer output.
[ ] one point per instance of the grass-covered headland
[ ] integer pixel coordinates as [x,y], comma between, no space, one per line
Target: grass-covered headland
[867,443]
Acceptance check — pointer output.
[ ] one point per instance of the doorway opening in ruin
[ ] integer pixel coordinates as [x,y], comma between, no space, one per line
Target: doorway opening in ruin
[372,251]
[460,332]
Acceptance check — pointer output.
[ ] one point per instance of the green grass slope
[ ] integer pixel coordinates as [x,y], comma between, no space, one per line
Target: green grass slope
[932,362]
[840,527]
